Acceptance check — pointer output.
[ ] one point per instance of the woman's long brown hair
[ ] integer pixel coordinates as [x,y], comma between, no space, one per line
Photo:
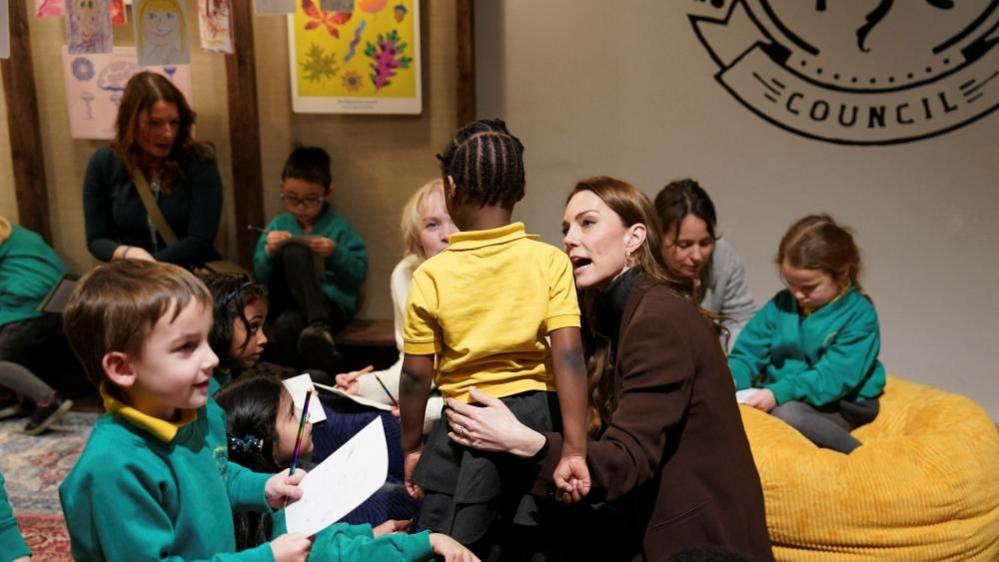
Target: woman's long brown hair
[633,207]
[142,91]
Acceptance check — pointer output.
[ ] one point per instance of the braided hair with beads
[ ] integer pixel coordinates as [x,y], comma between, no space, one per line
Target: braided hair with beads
[486,163]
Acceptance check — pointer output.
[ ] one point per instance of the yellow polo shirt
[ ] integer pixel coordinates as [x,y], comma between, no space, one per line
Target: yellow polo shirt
[484,306]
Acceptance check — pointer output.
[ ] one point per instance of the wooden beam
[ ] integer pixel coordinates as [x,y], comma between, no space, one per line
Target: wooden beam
[25,132]
[465,25]
[244,133]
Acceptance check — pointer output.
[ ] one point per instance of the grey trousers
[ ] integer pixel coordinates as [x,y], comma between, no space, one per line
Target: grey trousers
[829,426]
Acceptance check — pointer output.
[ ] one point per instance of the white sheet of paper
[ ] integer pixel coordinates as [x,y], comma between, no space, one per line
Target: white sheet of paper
[341,482]
[297,387]
[742,395]
[359,399]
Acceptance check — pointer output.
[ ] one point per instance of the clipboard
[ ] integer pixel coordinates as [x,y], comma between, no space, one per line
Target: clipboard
[55,301]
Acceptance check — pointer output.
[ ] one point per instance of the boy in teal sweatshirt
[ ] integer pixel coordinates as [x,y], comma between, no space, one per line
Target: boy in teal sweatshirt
[313,263]
[154,481]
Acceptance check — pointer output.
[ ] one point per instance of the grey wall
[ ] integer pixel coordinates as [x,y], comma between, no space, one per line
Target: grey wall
[626,89]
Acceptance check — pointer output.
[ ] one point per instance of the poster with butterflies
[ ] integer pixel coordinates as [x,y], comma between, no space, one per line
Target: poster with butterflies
[362,61]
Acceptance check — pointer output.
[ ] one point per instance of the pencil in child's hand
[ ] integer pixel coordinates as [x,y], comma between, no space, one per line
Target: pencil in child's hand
[301,432]
[258,229]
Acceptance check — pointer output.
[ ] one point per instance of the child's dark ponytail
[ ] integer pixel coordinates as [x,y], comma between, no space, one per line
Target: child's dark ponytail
[251,405]
[486,163]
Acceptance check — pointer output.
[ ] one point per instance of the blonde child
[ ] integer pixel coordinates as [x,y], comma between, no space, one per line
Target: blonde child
[812,351]
[262,426]
[154,480]
[479,316]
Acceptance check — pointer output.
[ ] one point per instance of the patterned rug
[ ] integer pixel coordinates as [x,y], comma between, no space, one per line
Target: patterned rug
[33,467]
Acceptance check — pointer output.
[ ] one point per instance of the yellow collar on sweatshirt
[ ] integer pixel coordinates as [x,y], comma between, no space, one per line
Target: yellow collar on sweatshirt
[473,239]
[807,311]
[161,429]
[5,229]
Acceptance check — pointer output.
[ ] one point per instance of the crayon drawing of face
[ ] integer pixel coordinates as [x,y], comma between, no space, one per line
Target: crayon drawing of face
[87,17]
[163,34]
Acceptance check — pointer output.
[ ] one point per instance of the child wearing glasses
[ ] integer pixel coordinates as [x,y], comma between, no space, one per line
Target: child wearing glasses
[312,261]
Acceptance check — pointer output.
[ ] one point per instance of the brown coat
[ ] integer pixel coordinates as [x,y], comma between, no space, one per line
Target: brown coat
[673,465]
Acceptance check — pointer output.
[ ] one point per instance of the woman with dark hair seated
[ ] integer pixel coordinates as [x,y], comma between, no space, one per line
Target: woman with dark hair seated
[693,250]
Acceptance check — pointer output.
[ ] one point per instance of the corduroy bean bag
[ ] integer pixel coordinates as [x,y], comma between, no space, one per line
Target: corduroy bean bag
[924,485]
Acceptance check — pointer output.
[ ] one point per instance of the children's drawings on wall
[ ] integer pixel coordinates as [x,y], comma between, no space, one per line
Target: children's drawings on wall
[118,15]
[4,30]
[161,32]
[95,83]
[215,24]
[50,8]
[364,61]
[88,26]
[274,7]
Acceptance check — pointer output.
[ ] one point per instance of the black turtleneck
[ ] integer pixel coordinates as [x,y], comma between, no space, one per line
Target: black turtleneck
[611,301]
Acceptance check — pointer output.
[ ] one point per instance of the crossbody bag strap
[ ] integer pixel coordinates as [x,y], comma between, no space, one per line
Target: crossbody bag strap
[152,209]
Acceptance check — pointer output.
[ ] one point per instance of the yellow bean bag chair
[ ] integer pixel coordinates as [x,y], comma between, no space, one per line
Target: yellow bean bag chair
[924,485]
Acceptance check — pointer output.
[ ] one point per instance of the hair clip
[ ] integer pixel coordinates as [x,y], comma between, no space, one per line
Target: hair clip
[245,445]
[232,295]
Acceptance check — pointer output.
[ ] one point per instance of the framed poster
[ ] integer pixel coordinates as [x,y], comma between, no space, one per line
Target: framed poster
[96,82]
[365,61]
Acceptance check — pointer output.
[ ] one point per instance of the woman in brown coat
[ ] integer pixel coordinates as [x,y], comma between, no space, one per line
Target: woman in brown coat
[670,465]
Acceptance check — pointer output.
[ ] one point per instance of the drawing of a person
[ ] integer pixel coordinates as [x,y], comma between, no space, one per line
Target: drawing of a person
[89,26]
[162,37]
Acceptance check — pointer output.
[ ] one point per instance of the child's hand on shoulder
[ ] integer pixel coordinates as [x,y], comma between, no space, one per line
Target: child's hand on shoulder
[274,240]
[412,457]
[572,478]
[321,245]
[282,488]
[763,399]
[450,549]
[291,547]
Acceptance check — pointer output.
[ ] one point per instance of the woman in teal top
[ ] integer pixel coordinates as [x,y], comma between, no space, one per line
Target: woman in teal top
[12,545]
[812,351]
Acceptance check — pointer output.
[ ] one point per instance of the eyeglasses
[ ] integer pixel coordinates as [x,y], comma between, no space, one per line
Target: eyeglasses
[295,201]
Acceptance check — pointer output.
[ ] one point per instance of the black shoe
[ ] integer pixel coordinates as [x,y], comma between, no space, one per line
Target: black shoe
[46,414]
[10,406]
[317,348]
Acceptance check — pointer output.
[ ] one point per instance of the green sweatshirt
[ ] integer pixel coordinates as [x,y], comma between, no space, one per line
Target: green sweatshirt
[341,542]
[146,490]
[345,269]
[29,269]
[828,355]
[12,545]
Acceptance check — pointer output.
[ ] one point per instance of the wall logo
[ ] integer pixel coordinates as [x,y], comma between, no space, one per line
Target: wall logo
[874,72]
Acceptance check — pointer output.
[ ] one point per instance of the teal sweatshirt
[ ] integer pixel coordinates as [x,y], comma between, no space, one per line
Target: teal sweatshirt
[828,355]
[341,542]
[12,545]
[345,269]
[139,495]
[29,269]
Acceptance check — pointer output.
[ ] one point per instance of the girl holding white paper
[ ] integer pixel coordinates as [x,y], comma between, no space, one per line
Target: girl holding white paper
[262,426]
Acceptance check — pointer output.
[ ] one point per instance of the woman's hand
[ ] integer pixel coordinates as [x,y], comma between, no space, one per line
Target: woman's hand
[392,526]
[762,399]
[321,245]
[124,252]
[274,240]
[291,547]
[450,549]
[491,427]
[281,487]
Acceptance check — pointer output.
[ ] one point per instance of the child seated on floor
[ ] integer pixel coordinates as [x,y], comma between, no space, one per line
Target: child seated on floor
[154,480]
[262,426]
[29,269]
[313,263]
[812,351]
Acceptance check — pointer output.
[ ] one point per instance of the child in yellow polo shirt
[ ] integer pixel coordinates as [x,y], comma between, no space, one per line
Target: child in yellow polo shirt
[495,340]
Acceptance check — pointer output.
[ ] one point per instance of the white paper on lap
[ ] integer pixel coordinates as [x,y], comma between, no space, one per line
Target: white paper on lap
[742,395]
[297,387]
[341,482]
